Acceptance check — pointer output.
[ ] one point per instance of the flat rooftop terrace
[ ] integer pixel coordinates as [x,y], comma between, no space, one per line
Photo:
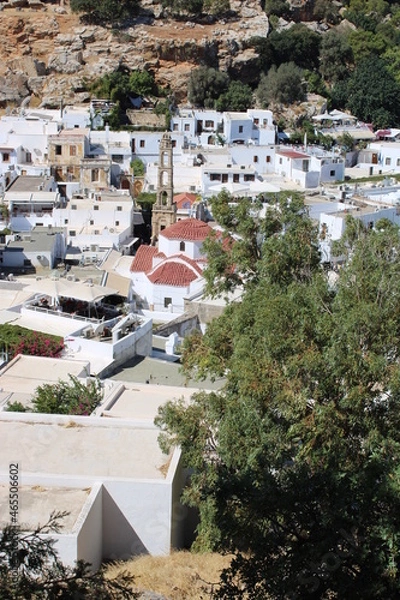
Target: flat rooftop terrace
[28,183]
[80,447]
[25,373]
[141,402]
[36,503]
[163,372]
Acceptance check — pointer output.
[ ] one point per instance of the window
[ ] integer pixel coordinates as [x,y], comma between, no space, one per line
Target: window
[117,158]
[72,233]
[398,162]
[142,143]
[175,127]
[215,177]
[65,221]
[209,123]
[255,159]
[119,208]
[6,157]
[72,150]
[224,178]
[28,157]
[116,223]
[305,166]
[388,161]
[268,159]
[240,128]
[74,207]
[91,222]
[96,207]
[236,178]
[174,143]
[167,302]
[182,246]
[332,173]
[248,178]
[187,127]
[58,150]
[280,161]
[95,174]
[256,121]
[96,232]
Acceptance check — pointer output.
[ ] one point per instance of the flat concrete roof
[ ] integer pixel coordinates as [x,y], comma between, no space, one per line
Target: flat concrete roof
[142,369]
[28,183]
[141,402]
[80,447]
[36,503]
[38,241]
[25,373]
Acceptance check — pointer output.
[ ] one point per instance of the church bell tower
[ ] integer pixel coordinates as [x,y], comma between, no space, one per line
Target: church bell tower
[164,209]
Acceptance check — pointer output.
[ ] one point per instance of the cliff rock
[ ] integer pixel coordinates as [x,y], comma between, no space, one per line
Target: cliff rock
[48,54]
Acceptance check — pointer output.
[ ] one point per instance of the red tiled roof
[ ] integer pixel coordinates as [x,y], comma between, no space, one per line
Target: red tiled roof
[192,230]
[177,274]
[292,154]
[185,200]
[143,260]
[195,264]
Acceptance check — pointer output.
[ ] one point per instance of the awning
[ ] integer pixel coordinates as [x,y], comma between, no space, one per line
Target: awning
[87,292]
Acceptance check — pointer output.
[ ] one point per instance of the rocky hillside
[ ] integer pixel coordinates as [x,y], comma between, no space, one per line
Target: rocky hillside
[48,54]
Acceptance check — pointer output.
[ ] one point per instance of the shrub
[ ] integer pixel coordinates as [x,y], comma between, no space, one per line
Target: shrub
[18,340]
[68,398]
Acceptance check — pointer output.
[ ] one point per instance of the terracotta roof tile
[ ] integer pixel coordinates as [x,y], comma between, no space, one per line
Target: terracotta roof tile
[185,200]
[173,273]
[188,230]
[143,260]
[194,264]
[292,154]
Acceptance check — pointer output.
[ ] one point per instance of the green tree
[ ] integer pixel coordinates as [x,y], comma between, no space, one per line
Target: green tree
[392,60]
[366,43]
[283,85]
[138,167]
[142,83]
[238,97]
[346,142]
[105,11]
[30,569]
[297,44]
[336,56]
[216,8]
[372,94]
[183,7]
[68,398]
[279,8]
[296,459]
[324,10]
[206,85]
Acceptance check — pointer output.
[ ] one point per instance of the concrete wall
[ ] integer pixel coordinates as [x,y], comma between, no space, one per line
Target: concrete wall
[137,513]
[90,525]
[66,546]
[136,518]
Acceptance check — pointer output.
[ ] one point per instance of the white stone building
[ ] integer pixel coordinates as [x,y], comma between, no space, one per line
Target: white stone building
[107,471]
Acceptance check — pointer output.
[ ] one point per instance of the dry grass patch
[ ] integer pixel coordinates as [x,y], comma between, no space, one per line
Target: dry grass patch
[180,576]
